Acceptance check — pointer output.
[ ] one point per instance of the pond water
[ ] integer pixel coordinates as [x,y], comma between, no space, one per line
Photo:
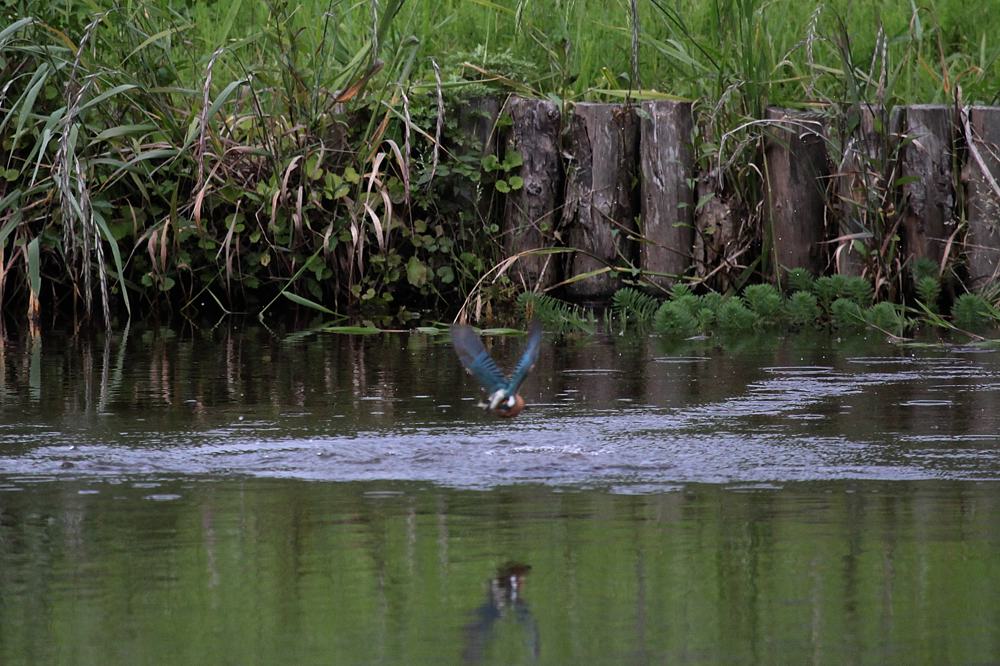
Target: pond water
[235,496]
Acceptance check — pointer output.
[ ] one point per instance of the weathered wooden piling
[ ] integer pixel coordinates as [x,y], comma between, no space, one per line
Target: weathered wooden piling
[797,171]
[477,129]
[928,190]
[530,214]
[982,242]
[862,172]
[667,165]
[600,205]
[717,241]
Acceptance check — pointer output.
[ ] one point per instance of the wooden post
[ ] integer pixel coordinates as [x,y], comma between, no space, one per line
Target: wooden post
[861,178]
[667,162]
[477,135]
[928,197]
[600,205]
[717,241]
[982,243]
[530,214]
[797,169]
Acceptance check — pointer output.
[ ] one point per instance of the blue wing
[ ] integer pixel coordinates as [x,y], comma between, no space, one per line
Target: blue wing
[528,357]
[476,359]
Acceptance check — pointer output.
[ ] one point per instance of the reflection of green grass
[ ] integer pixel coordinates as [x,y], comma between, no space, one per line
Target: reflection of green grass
[251,571]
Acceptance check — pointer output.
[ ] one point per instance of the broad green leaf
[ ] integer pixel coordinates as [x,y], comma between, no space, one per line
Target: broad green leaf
[305,302]
[28,101]
[501,331]
[416,272]
[106,94]
[122,130]
[353,330]
[34,267]
[14,27]
[157,37]
[512,160]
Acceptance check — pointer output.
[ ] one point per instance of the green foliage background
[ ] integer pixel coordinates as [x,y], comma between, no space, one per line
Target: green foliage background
[222,155]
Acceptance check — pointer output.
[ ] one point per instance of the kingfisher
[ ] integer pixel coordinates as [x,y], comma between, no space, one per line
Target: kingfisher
[503,399]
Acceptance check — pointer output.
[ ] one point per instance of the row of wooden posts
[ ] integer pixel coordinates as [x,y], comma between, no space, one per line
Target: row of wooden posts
[610,173]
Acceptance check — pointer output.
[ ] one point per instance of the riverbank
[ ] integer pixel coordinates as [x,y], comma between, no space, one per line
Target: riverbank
[156,168]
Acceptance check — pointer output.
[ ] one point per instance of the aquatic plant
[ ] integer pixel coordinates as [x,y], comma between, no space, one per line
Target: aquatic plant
[929,292]
[972,312]
[926,282]
[555,314]
[887,317]
[708,306]
[800,279]
[858,289]
[803,309]
[733,316]
[629,305]
[677,317]
[765,301]
[829,288]
[680,290]
[846,314]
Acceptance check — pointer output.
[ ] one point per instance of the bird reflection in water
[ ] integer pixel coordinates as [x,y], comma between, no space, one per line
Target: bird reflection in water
[504,603]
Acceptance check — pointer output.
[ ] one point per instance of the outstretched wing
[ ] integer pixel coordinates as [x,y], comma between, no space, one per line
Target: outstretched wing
[528,357]
[476,359]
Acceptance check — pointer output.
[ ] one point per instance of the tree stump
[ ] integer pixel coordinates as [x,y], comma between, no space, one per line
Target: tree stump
[928,192]
[797,172]
[982,243]
[600,204]
[667,163]
[530,214]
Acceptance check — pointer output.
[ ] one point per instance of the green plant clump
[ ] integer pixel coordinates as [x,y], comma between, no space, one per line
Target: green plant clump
[858,289]
[631,305]
[887,317]
[800,279]
[708,309]
[803,309]
[556,315]
[676,318]
[846,315]
[735,317]
[972,312]
[765,301]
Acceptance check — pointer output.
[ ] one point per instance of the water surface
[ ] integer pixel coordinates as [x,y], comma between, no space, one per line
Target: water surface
[233,496]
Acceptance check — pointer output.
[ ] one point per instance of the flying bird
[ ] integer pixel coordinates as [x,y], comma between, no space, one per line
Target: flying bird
[503,399]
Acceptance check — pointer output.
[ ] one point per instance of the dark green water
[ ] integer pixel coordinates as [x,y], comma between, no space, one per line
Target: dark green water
[232,497]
